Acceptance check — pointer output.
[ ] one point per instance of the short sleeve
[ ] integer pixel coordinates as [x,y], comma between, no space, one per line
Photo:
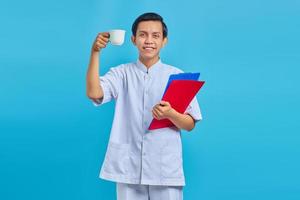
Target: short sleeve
[194,110]
[110,84]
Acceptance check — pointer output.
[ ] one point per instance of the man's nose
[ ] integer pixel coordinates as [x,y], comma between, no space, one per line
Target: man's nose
[148,40]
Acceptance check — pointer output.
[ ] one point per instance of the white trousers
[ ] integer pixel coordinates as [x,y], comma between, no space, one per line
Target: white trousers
[148,192]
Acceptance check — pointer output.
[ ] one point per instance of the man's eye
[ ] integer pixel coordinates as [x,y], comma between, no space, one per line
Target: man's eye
[142,34]
[156,36]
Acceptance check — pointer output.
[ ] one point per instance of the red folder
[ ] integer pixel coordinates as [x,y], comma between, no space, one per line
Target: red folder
[179,94]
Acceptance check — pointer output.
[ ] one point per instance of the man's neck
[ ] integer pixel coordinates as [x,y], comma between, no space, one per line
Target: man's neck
[149,62]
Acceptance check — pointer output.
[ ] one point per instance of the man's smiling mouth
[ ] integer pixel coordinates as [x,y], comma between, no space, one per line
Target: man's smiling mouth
[149,48]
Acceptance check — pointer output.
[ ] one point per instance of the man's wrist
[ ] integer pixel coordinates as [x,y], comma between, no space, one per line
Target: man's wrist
[93,51]
[172,113]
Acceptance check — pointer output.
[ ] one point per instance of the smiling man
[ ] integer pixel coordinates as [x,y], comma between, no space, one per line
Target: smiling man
[144,164]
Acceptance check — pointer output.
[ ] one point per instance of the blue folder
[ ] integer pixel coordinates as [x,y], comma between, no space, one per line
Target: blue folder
[182,76]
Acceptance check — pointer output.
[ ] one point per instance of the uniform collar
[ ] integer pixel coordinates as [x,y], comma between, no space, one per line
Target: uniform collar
[149,70]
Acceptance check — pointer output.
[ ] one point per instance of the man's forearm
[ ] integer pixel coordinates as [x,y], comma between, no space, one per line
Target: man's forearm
[182,121]
[93,88]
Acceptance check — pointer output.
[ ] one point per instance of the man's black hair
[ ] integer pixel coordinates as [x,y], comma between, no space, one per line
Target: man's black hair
[149,17]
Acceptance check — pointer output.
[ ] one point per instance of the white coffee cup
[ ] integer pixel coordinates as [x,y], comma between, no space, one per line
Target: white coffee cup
[116,37]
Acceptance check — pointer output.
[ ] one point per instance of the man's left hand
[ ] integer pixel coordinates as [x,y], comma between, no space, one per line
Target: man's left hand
[162,110]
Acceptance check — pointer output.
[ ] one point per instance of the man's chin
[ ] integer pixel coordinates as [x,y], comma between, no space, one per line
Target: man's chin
[148,56]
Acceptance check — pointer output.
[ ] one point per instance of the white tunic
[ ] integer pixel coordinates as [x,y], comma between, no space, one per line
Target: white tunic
[134,154]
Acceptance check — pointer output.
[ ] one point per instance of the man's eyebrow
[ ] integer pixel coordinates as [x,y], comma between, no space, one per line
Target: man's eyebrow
[141,31]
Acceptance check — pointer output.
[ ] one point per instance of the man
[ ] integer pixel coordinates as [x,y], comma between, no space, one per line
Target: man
[144,164]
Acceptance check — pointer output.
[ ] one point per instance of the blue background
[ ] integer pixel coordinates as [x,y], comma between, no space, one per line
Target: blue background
[53,140]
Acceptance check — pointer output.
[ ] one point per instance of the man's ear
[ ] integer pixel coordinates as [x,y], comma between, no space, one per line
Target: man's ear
[133,40]
[165,41]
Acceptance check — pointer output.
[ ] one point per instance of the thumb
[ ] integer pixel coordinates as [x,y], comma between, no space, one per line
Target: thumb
[164,103]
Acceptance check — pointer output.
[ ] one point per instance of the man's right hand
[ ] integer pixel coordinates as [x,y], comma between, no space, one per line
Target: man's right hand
[100,41]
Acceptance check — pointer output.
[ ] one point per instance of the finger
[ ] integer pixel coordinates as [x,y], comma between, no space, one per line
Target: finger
[96,48]
[154,112]
[101,37]
[100,46]
[105,34]
[101,42]
[160,108]
[155,107]
[158,112]
[154,115]
[164,103]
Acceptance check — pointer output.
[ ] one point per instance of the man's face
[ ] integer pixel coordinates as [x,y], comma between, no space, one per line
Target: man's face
[149,39]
